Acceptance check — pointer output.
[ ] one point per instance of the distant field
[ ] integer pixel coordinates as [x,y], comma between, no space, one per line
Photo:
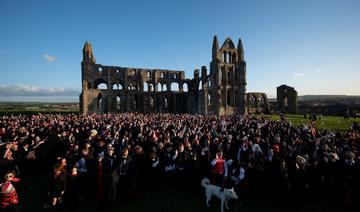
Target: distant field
[35,107]
[336,123]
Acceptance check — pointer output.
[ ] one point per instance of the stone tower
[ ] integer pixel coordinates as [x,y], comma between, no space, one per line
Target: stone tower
[87,65]
[286,99]
[227,80]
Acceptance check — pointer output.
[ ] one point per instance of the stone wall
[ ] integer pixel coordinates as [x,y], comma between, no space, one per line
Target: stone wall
[121,89]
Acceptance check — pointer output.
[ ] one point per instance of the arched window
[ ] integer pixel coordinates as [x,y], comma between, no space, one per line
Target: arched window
[209,100]
[100,103]
[252,100]
[164,87]
[224,57]
[158,87]
[185,87]
[145,87]
[165,103]
[285,102]
[174,86]
[229,58]
[118,103]
[100,70]
[135,102]
[162,75]
[151,102]
[117,86]
[228,97]
[132,87]
[200,85]
[100,84]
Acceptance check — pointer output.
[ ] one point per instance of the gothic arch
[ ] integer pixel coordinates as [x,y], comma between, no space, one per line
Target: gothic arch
[151,102]
[118,102]
[175,86]
[100,103]
[100,81]
[185,87]
[117,86]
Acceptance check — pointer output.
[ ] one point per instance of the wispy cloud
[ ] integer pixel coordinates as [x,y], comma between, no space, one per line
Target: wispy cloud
[297,74]
[49,58]
[30,90]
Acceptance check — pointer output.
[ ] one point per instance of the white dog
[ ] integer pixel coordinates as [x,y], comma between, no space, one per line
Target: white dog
[213,190]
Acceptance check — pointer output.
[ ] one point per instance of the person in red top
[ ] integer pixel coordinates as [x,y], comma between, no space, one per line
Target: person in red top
[9,197]
[219,170]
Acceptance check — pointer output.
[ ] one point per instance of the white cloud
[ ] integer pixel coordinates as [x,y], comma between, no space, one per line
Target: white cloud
[319,70]
[49,58]
[298,74]
[30,90]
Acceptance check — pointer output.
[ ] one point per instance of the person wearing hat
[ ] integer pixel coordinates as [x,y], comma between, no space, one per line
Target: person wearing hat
[110,174]
[9,198]
[125,170]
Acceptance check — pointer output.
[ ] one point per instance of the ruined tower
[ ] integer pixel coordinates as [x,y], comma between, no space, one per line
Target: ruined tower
[87,65]
[227,89]
[287,99]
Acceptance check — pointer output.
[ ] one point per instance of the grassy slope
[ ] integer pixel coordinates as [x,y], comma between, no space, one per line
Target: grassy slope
[335,123]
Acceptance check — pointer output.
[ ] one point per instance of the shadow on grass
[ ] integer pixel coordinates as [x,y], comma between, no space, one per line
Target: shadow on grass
[174,198]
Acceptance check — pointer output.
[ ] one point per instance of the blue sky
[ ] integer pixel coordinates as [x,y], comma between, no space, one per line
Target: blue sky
[312,45]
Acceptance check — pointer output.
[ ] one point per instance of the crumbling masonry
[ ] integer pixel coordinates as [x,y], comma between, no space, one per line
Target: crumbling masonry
[287,99]
[120,89]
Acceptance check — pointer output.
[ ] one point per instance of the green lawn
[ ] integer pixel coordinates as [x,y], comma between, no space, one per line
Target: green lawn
[335,123]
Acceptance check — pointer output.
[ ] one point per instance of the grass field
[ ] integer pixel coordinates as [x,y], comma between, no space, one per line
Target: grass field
[336,123]
[29,108]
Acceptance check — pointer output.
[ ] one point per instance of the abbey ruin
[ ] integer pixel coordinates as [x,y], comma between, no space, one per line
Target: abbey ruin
[121,89]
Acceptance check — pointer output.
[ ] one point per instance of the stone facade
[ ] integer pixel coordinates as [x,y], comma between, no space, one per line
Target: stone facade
[257,103]
[287,98]
[121,89]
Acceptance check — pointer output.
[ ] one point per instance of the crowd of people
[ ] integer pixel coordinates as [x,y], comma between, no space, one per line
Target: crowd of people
[104,157]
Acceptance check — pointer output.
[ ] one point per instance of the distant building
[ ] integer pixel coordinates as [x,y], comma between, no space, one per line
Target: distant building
[122,89]
[287,98]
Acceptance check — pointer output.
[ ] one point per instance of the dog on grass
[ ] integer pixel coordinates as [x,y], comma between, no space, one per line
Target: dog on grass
[213,190]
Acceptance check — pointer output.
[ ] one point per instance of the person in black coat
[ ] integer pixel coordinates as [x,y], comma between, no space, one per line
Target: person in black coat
[125,170]
[57,187]
[110,175]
